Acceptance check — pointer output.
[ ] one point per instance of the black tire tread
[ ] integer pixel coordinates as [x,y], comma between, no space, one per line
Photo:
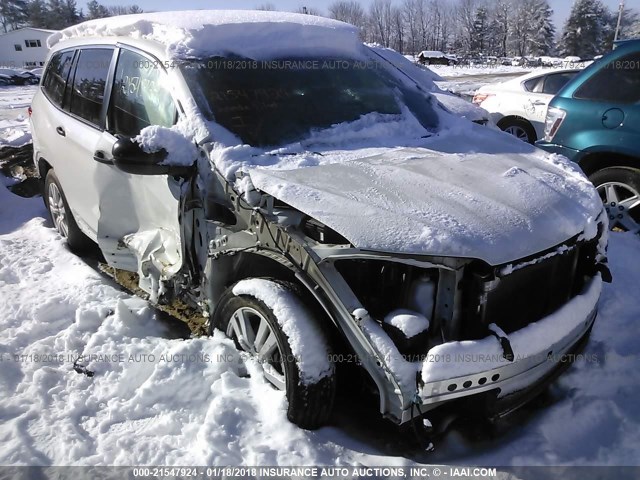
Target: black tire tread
[310,406]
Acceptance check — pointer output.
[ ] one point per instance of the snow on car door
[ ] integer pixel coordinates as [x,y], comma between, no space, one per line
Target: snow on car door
[138,229]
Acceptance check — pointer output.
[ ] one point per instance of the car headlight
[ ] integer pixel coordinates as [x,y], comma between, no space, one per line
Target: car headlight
[555,117]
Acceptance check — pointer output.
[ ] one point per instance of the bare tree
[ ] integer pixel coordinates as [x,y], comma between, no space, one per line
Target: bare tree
[381,18]
[348,11]
[269,7]
[397,40]
[466,12]
[309,11]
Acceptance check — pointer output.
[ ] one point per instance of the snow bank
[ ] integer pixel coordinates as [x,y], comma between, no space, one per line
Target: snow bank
[306,339]
[253,34]
[156,398]
[14,120]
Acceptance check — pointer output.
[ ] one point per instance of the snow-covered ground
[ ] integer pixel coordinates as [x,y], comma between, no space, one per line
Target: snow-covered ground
[465,71]
[14,119]
[160,397]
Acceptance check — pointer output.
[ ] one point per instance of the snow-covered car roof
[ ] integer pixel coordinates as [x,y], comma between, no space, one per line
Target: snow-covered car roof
[200,33]
[432,54]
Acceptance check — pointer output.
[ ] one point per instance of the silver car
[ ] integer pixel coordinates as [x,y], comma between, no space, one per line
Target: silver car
[312,198]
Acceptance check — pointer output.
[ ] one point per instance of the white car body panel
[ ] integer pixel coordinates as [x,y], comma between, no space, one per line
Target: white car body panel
[511,99]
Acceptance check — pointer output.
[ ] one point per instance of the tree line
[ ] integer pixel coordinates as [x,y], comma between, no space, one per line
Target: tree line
[499,28]
[54,14]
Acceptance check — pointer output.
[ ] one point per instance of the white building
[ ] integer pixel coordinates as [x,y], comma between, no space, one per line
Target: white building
[24,48]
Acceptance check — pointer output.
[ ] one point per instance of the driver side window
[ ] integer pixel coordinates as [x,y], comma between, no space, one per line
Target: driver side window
[140,96]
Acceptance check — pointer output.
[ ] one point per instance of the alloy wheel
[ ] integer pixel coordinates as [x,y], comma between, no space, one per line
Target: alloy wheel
[253,333]
[622,203]
[58,210]
[517,132]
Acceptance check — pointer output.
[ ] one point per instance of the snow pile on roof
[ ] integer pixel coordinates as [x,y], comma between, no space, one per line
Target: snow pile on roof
[253,34]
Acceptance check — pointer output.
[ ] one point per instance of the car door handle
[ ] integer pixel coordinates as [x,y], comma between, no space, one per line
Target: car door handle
[61,131]
[539,103]
[100,157]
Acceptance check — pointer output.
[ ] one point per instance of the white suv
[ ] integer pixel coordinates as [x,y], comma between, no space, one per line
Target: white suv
[317,204]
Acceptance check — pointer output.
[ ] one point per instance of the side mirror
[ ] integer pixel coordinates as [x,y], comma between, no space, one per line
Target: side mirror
[129,157]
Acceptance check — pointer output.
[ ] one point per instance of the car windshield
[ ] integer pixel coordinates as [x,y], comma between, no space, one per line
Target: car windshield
[274,102]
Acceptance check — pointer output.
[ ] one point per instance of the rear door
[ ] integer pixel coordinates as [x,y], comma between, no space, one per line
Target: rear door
[81,131]
[48,114]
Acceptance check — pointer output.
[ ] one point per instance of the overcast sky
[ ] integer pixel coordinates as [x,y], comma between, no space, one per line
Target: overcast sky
[560,7]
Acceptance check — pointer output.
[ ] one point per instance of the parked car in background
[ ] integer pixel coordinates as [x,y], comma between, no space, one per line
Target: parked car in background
[12,76]
[434,57]
[519,106]
[595,121]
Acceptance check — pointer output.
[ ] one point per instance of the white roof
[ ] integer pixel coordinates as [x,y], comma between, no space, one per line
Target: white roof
[254,34]
[432,54]
[43,30]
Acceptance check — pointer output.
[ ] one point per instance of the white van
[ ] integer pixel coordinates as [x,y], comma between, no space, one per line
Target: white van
[311,197]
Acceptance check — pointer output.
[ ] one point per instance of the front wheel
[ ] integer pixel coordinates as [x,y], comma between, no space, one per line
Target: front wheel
[268,320]
[619,189]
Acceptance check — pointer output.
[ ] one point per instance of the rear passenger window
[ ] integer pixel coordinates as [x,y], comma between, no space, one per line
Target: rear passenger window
[556,81]
[56,76]
[140,96]
[89,83]
[530,85]
[618,81]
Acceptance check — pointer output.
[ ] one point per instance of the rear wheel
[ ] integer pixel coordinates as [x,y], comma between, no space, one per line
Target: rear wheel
[262,326]
[619,189]
[61,215]
[521,129]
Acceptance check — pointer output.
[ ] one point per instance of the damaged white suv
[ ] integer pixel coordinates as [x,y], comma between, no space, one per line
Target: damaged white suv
[311,197]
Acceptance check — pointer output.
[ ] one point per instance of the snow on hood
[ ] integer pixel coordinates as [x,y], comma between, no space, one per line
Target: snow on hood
[254,34]
[497,207]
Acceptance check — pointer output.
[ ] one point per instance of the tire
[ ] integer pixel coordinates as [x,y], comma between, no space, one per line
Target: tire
[310,402]
[61,215]
[619,189]
[521,129]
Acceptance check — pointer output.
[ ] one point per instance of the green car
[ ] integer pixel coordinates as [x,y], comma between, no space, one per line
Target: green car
[595,121]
